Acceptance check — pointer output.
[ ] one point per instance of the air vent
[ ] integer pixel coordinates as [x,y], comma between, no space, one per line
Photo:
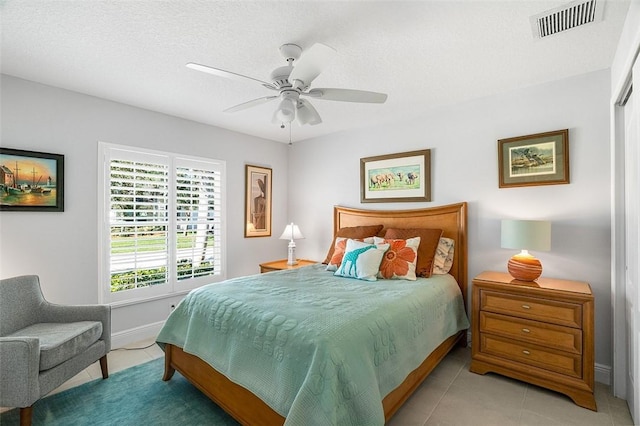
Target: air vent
[571,15]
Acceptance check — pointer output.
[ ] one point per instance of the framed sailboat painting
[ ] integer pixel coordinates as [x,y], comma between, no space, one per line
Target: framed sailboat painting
[31,181]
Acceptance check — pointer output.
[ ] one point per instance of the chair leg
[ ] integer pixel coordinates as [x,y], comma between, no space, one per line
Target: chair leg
[103,367]
[25,416]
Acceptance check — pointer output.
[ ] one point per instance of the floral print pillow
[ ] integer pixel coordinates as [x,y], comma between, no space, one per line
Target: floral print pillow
[338,251]
[399,262]
[353,232]
[427,249]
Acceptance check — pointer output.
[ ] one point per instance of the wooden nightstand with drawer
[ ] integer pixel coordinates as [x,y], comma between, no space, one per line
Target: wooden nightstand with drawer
[539,332]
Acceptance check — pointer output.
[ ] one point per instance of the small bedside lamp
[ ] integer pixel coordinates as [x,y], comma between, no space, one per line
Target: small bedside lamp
[291,232]
[525,235]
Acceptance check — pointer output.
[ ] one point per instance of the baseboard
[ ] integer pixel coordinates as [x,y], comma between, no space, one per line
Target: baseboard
[126,337]
[602,373]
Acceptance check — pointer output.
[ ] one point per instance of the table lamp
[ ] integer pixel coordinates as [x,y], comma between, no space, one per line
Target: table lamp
[291,232]
[525,235]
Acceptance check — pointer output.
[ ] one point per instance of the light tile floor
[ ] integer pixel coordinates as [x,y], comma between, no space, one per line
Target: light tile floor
[450,396]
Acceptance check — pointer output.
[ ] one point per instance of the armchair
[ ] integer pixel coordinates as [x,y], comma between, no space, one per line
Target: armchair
[42,345]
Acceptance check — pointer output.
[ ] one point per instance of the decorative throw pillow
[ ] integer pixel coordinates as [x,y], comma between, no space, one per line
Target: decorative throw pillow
[429,239]
[361,260]
[444,256]
[338,251]
[399,261]
[353,232]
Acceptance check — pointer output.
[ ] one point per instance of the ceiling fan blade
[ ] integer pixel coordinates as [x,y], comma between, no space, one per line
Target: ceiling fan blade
[311,64]
[306,113]
[227,74]
[250,104]
[347,95]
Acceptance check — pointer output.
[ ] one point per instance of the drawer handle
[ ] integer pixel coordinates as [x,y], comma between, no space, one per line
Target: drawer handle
[526,307]
[526,330]
[526,352]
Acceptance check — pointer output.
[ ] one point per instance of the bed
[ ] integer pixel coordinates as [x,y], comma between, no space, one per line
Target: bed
[343,380]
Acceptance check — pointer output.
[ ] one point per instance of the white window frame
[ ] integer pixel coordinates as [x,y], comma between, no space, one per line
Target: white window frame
[174,287]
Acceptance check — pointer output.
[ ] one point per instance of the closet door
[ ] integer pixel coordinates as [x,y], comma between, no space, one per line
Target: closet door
[632,241]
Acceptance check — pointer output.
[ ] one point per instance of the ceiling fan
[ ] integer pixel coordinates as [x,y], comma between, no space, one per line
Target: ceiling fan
[293,84]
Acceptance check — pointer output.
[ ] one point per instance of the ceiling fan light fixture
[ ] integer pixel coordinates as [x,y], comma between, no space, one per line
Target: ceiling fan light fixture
[306,114]
[286,111]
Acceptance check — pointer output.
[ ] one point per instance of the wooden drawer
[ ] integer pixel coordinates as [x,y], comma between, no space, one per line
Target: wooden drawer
[536,356]
[546,310]
[540,333]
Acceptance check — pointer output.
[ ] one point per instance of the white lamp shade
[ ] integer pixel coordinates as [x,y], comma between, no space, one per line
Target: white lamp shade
[286,112]
[306,113]
[526,234]
[291,232]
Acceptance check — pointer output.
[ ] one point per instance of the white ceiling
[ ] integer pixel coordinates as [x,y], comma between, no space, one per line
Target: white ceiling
[423,54]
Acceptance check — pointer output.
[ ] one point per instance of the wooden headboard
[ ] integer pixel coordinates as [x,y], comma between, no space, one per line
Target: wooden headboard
[452,219]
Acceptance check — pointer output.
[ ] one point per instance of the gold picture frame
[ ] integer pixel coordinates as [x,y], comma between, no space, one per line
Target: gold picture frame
[401,177]
[538,159]
[258,184]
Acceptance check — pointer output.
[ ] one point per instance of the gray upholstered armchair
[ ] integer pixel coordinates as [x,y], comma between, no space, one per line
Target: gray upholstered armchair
[42,345]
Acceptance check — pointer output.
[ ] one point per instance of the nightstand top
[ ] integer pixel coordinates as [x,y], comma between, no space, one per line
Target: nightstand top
[282,264]
[542,282]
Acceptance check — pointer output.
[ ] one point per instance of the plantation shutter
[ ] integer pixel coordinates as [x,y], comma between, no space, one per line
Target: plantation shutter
[138,220]
[162,223]
[198,219]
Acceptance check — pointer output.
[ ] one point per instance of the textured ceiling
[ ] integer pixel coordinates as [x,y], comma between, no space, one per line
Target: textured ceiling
[423,54]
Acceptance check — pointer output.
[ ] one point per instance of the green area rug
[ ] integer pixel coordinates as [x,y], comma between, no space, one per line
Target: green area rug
[135,396]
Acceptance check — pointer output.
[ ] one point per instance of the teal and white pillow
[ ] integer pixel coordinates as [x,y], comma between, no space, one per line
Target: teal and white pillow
[361,260]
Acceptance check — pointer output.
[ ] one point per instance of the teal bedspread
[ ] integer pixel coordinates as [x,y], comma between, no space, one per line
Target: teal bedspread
[318,349]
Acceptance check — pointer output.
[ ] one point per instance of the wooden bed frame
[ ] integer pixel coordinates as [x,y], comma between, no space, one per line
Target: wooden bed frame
[248,409]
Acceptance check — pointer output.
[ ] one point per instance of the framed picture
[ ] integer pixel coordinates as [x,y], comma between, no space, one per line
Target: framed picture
[257,202]
[31,181]
[540,159]
[405,176]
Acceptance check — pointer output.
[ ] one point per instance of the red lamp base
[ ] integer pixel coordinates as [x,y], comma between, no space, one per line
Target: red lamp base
[524,268]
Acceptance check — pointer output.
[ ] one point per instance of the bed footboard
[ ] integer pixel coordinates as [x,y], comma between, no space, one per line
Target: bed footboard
[237,401]
[168,368]
[248,409]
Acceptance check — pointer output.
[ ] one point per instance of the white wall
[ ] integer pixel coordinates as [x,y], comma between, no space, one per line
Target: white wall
[463,141]
[627,47]
[62,247]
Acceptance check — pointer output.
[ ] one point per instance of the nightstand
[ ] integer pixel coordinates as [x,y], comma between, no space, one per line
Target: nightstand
[278,265]
[539,332]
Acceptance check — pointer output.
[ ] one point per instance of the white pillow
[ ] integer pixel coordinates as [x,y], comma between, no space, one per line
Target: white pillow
[444,256]
[361,260]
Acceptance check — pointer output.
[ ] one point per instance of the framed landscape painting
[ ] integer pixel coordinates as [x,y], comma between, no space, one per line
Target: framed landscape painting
[257,201]
[391,178]
[539,159]
[31,181]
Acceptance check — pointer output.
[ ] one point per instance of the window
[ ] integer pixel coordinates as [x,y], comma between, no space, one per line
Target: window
[161,223]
